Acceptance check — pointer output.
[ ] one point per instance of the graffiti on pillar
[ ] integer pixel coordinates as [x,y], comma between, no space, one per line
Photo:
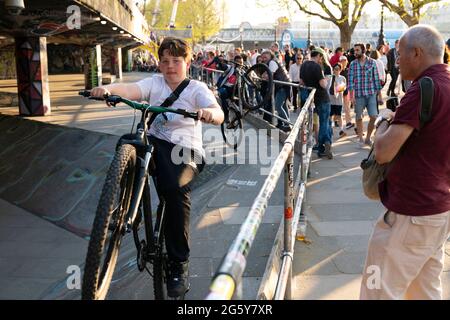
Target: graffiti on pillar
[93,72]
[32,76]
[7,63]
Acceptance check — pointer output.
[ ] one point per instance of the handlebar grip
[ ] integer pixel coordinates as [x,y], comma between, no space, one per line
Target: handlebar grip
[85,93]
[97,98]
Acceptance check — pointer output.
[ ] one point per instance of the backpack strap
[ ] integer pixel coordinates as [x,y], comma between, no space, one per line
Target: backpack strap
[426,99]
[171,99]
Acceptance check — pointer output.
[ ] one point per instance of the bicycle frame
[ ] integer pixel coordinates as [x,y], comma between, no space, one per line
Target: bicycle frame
[141,196]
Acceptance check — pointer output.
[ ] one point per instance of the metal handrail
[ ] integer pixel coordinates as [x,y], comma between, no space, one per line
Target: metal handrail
[226,283]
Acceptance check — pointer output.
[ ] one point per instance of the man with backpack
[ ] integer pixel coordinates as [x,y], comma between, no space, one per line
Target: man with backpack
[406,250]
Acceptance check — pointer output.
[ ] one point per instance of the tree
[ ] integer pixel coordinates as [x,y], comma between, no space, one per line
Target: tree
[349,12]
[410,12]
[201,15]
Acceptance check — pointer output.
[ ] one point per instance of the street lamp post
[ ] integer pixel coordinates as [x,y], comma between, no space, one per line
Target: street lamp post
[308,41]
[241,30]
[381,39]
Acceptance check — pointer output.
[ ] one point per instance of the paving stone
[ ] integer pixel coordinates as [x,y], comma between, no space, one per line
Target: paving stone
[342,228]
[327,287]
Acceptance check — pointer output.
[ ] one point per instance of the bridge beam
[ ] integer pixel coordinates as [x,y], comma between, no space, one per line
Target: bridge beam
[32,76]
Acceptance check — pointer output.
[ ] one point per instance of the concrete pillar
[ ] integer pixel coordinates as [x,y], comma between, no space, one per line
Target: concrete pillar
[130,60]
[93,67]
[98,51]
[119,63]
[116,64]
[32,76]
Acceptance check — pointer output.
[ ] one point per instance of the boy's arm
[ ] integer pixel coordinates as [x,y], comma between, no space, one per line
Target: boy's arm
[129,91]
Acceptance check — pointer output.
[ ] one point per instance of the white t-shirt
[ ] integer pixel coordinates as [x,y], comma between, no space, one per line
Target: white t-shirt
[177,129]
[339,83]
[380,68]
[273,66]
[294,72]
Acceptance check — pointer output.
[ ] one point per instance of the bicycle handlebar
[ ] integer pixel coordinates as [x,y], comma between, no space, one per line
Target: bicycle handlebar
[115,99]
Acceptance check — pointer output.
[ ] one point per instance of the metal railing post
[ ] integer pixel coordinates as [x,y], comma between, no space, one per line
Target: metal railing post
[288,215]
[272,109]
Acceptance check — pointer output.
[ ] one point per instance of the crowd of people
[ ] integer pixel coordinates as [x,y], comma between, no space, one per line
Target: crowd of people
[339,77]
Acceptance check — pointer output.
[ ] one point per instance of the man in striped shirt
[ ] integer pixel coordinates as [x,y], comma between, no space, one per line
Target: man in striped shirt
[363,85]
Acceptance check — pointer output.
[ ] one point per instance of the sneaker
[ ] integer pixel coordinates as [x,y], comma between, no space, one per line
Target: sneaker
[361,143]
[342,134]
[368,143]
[349,125]
[178,279]
[315,147]
[327,151]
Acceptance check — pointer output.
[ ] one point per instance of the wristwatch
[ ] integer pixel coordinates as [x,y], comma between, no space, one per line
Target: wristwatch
[380,120]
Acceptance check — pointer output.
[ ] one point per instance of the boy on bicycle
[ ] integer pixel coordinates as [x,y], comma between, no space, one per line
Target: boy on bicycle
[170,131]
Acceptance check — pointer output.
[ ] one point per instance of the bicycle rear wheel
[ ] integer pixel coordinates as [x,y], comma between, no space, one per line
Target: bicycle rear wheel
[107,231]
[232,131]
[256,89]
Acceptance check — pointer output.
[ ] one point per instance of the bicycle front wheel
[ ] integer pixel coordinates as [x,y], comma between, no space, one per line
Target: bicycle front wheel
[109,223]
[256,87]
[160,263]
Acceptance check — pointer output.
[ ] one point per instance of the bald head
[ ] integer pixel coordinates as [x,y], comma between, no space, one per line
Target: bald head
[426,38]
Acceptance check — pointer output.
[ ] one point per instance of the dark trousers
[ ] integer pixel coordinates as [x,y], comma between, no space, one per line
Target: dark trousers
[394,76]
[294,96]
[173,186]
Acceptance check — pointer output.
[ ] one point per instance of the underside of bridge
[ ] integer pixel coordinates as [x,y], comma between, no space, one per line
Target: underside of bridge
[116,25]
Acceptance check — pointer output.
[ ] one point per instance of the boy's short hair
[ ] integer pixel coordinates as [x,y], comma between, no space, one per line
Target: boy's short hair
[177,47]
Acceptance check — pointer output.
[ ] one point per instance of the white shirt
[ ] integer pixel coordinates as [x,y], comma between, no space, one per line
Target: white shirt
[338,97]
[254,58]
[380,68]
[177,129]
[273,66]
[294,72]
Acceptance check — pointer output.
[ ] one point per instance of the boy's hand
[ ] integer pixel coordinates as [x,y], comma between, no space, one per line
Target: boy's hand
[205,115]
[100,92]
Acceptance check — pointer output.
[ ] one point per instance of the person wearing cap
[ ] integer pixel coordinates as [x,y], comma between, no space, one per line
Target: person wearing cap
[311,75]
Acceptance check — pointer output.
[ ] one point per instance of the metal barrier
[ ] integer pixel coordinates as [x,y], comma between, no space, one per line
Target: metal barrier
[226,283]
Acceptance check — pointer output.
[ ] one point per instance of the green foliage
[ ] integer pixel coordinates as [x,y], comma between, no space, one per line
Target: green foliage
[202,15]
[410,10]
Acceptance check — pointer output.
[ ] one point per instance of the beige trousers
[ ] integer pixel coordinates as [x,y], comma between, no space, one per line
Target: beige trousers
[405,257]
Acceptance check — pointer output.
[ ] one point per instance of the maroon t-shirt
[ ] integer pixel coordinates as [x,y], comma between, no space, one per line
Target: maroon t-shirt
[418,182]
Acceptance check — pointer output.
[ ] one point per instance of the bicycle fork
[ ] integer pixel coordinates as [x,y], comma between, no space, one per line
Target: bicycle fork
[138,190]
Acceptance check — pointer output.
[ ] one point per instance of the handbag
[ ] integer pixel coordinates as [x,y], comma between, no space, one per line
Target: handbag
[392,103]
[374,173]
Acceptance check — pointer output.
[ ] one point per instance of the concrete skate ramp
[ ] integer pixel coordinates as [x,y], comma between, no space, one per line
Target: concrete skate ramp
[52,171]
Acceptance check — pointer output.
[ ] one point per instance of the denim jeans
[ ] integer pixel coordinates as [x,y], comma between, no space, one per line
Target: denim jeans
[325,130]
[281,106]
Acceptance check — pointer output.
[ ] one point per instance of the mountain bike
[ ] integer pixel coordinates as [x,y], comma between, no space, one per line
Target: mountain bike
[124,203]
[252,91]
